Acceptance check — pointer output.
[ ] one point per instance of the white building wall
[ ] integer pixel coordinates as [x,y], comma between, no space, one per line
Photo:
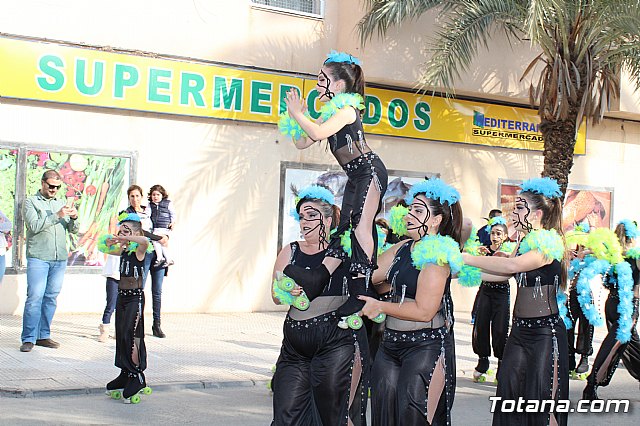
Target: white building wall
[224,176]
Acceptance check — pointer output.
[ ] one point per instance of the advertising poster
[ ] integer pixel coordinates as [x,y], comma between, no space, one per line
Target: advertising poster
[300,175]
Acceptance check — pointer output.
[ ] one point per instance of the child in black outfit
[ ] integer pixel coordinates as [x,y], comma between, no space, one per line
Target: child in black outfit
[131,354]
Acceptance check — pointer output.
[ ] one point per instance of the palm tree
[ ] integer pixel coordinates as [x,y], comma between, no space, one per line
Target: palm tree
[584,47]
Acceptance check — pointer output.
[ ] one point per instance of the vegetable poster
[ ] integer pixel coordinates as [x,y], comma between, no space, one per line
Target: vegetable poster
[8,189]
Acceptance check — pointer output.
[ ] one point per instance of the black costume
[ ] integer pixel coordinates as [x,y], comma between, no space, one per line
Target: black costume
[611,350]
[492,315]
[130,327]
[413,356]
[321,375]
[583,344]
[534,364]
[363,168]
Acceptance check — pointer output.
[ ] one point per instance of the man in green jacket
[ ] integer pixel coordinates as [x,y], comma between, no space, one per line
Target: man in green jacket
[48,220]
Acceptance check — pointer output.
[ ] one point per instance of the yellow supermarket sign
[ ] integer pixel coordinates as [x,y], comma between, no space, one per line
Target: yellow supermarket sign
[57,73]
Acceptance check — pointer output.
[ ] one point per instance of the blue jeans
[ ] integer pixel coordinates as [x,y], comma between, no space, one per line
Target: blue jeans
[157,277]
[112,299]
[2,267]
[44,281]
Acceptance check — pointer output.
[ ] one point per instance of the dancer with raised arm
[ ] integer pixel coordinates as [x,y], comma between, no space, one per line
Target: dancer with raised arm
[341,87]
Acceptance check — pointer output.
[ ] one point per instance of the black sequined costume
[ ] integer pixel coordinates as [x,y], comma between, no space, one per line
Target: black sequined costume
[534,363]
[363,168]
[491,325]
[130,322]
[612,351]
[321,376]
[413,375]
[582,343]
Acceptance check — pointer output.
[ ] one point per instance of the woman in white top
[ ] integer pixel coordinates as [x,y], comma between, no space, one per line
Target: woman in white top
[5,228]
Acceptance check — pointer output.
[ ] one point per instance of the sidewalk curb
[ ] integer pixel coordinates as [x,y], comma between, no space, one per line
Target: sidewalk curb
[45,393]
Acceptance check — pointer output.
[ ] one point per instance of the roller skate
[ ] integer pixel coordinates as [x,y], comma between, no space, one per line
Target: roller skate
[488,376]
[115,387]
[574,375]
[379,318]
[481,371]
[583,365]
[287,284]
[353,321]
[135,386]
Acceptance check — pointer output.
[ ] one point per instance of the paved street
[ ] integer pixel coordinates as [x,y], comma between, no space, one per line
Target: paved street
[212,369]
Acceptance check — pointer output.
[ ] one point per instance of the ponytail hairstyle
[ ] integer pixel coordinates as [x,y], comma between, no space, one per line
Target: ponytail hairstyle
[626,231]
[451,224]
[347,68]
[545,195]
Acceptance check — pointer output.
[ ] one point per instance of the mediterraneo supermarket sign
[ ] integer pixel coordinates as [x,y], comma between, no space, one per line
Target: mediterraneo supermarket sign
[52,72]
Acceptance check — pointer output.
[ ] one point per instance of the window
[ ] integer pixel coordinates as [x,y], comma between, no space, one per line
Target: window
[95,181]
[313,8]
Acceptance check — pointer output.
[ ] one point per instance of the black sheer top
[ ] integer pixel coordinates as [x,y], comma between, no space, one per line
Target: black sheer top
[131,271]
[349,143]
[403,277]
[537,291]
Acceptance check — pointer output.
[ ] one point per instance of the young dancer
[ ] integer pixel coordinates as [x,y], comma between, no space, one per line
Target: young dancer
[621,311]
[131,354]
[413,375]
[580,334]
[341,87]
[492,305]
[321,374]
[534,363]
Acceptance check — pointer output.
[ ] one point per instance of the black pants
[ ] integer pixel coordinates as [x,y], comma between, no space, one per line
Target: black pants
[611,350]
[407,365]
[535,358]
[492,315]
[130,331]
[314,383]
[583,345]
[362,172]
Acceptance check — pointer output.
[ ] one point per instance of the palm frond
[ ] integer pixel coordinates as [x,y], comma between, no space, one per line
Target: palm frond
[384,14]
[468,25]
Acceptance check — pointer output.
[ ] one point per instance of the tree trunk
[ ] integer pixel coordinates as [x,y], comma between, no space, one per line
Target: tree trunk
[559,142]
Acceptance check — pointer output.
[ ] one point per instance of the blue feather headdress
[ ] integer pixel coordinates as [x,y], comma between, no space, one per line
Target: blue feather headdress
[128,217]
[312,192]
[498,220]
[630,228]
[543,186]
[435,189]
[335,56]
[582,227]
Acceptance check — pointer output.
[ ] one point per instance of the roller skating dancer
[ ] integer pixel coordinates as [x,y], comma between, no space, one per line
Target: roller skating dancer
[534,363]
[131,355]
[491,325]
[321,377]
[413,375]
[621,313]
[341,87]
[580,334]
